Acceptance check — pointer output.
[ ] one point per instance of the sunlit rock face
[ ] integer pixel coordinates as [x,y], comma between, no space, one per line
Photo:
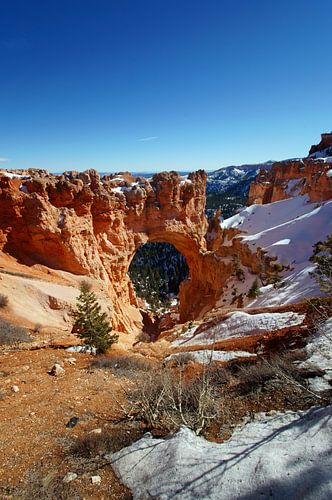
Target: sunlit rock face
[292,178]
[91,225]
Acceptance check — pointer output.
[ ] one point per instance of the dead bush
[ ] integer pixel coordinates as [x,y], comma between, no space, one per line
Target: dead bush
[285,364]
[37,328]
[252,376]
[3,301]
[121,365]
[167,399]
[12,334]
[182,359]
[220,375]
[92,445]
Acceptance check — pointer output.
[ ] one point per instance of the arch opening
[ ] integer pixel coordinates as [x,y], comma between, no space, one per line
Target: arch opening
[156,272]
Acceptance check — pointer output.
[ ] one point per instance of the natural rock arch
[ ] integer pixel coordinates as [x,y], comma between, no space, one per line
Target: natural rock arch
[85,224]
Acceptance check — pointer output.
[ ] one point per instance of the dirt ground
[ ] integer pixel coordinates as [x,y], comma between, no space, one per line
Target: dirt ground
[35,441]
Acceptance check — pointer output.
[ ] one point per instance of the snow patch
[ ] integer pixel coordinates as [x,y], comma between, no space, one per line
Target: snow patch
[286,241]
[294,187]
[240,324]
[24,189]
[185,181]
[284,456]
[82,348]
[319,351]
[15,176]
[206,356]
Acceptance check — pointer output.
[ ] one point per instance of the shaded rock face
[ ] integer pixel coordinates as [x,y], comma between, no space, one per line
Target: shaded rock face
[292,178]
[325,142]
[84,224]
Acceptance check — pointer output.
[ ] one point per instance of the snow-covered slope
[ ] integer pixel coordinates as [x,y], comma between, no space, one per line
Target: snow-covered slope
[279,457]
[319,352]
[239,324]
[286,229]
[228,177]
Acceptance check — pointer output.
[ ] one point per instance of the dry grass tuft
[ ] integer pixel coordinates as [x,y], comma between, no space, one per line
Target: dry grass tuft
[122,365]
[3,301]
[92,445]
[12,334]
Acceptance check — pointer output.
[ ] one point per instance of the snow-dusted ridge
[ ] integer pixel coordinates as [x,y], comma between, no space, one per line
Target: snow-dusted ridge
[228,177]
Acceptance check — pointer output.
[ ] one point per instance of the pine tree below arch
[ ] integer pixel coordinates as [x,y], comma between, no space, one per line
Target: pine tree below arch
[90,323]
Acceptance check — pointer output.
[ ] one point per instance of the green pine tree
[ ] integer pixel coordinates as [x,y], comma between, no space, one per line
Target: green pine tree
[322,257]
[254,290]
[91,325]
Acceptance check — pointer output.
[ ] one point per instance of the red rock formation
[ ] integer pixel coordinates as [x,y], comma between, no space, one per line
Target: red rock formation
[291,178]
[84,224]
[325,142]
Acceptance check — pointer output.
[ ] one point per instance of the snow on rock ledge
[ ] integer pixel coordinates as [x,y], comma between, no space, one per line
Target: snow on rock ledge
[241,324]
[286,456]
[206,356]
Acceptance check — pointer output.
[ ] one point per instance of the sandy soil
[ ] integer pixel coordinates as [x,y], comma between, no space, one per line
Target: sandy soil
[34,439]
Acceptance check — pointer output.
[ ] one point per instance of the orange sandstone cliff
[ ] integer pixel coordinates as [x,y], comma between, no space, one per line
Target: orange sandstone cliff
[91,225]
[291,178]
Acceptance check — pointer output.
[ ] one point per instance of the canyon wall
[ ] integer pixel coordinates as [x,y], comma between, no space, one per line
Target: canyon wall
[325,142]
[91,225]
[291,178]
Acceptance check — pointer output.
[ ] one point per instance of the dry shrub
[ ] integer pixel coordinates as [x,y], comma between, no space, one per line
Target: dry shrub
[121,365]
[37,328]
[91,445]
[3,301]
[12,334]
[220,375]
[167,399]
[253,377]
[181,359]
[285,364]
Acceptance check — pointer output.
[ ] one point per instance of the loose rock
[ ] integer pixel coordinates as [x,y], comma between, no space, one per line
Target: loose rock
[56,370]
[70,476]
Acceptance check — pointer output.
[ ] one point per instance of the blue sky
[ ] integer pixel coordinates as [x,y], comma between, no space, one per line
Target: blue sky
[157,85]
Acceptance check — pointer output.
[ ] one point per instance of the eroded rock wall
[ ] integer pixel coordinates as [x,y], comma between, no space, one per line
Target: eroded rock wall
[293,178]
[88,225]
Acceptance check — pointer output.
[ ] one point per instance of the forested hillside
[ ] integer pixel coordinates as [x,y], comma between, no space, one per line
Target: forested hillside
[156,272]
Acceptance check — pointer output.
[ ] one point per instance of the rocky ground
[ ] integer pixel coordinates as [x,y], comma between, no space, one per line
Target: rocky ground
[40,450]
[34,410]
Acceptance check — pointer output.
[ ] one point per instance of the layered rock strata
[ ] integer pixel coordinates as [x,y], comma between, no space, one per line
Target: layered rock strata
[292,178]
[91,225]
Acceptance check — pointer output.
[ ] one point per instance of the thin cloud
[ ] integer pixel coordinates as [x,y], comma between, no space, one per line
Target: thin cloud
[2,159]
[148,139]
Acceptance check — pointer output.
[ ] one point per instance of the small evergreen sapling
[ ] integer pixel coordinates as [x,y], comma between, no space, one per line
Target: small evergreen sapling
[254,290]
[90,324]
[322,256]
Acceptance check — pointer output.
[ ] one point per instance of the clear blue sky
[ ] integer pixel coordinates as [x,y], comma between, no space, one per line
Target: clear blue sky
[156,85]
